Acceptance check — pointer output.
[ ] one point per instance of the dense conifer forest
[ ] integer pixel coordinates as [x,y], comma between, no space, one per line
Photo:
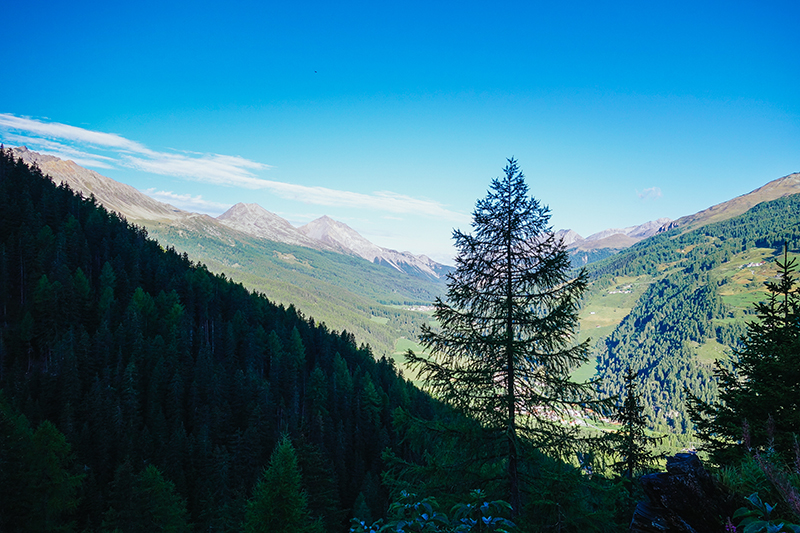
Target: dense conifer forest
[683,306]
[141,392]
[138,386]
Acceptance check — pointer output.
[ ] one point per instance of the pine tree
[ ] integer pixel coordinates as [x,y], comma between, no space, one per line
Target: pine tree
[38,488]
[279,504]
[631,442]
[761,391]
[504,349]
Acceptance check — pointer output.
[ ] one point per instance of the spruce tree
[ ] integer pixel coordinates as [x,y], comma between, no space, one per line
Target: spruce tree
[758,397]
[630,442]
[279,504]
[503,351]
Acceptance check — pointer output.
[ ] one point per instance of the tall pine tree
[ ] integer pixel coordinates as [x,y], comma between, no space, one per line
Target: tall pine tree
[503,352]
[763,387]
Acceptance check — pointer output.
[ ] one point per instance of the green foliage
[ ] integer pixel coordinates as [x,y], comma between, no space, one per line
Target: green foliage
[758,518]
[409,515]
[503,351]
[654,341]
[761,388]
[630,442]
[146,502]
[698,295]
[279,504]
[38,483]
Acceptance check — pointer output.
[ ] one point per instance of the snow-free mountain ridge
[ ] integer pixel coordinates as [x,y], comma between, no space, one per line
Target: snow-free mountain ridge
[785,186]
[335,233]
[327,234]
[612,238]
[323,234]
[257,221]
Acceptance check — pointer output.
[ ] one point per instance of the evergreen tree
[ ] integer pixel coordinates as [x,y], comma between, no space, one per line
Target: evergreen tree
[504,349]
[162,506]
[37,486]
[761,391]
[147,502]
[631,442]
[279,504]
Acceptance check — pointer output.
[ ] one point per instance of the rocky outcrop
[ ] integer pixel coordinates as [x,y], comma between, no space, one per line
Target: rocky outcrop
[684,499]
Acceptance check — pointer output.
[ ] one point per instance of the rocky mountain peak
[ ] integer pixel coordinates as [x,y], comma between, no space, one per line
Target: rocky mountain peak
[257,221]
[339,234]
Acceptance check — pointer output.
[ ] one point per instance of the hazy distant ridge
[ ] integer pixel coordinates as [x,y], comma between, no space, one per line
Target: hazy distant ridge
[612,238]
[335,233]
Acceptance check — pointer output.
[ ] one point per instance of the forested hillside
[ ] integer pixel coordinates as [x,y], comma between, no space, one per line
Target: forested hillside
[342,290]
[131,371]
[695,293]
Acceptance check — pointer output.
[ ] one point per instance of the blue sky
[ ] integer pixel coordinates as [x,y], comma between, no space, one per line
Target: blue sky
[394,117]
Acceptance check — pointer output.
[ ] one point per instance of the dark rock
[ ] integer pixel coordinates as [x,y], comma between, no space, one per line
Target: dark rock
[684,499]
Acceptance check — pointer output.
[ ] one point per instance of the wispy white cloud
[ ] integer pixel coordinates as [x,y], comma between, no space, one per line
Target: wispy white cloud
[60,150]
[187,201]
[651,193]
[83,146]
[208,168]
[54,138]
[380,200]
[54,130]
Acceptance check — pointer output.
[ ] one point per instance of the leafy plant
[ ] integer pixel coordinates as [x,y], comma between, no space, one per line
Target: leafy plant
[408,515]
[481,515]
[759,518]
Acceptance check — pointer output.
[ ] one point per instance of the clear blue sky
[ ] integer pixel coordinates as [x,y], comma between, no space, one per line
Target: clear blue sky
[394,117]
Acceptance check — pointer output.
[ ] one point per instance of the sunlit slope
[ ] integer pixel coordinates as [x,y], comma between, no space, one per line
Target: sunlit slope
[673,304]
[342,291]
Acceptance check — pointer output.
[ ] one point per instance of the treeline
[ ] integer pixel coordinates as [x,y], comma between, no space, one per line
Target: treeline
[143,372]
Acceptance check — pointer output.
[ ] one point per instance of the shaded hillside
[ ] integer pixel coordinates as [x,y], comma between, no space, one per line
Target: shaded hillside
[142,358]
[341,290]
[696,291]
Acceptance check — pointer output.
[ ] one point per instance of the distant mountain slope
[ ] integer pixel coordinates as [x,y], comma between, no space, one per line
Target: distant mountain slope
[778,188]
[323,234]
[670,305]
[342,236]
[613,238]
[343,291]
[115,196]
[257,221]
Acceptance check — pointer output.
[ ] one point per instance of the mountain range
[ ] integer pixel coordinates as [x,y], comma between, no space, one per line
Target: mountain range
[324,234]
[617,238]
[667,297]
[344,291]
